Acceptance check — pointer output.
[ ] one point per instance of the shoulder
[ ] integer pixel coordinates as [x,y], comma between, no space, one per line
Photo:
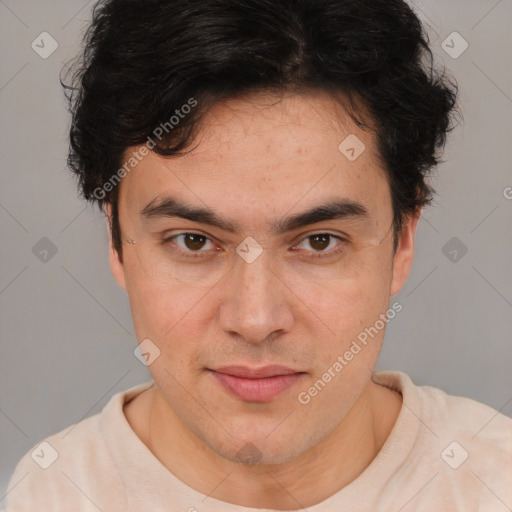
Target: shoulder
[465,446]
[60,469]
[72,469]
[450,414]
[486,427]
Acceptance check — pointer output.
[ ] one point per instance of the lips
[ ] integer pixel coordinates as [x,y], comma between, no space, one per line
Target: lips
[256,384]
[255,373]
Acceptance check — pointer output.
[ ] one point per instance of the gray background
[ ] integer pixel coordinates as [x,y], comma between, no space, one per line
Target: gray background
[67,337]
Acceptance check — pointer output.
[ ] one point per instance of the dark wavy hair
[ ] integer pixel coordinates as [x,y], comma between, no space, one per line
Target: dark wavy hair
[144,59]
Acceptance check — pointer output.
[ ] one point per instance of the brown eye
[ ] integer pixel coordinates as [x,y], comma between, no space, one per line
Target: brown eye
[321,245]
[194,242]
[320,242]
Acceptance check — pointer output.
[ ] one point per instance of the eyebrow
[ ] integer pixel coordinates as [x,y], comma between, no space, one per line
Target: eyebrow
[331,210]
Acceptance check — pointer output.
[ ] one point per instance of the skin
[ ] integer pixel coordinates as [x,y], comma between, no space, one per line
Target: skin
[257,159]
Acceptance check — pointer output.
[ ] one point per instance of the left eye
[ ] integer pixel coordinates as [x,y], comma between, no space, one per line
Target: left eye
[319,242]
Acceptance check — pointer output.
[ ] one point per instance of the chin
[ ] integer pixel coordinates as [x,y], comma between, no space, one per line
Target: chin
[259,450]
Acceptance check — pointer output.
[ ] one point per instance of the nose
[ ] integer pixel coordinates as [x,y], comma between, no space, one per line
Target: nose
[255,303]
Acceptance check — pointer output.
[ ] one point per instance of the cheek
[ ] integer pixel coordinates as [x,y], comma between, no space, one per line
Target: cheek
[346,303]
[344,310]
[160,307]
[169,316]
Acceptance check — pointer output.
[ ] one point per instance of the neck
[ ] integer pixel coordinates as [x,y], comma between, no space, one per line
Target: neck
[303,481]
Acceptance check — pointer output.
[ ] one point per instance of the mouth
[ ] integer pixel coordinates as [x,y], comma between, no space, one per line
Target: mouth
[256,384]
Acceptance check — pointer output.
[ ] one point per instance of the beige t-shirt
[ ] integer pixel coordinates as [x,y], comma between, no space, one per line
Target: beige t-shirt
[445,453]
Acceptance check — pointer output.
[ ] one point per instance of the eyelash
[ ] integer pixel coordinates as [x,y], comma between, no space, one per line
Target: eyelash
[314,254]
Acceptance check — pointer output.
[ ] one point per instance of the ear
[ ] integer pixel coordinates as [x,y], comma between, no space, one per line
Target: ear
[402,261]
[116,264]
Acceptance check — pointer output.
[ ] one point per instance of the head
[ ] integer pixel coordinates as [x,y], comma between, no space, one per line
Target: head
[298,131]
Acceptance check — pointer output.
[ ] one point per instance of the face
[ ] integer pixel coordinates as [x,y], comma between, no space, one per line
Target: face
[265,283]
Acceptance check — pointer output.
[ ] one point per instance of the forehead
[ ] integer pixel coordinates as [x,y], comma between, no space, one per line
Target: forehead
[267,152]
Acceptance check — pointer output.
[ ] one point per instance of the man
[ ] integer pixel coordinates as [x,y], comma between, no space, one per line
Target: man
[262,166]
